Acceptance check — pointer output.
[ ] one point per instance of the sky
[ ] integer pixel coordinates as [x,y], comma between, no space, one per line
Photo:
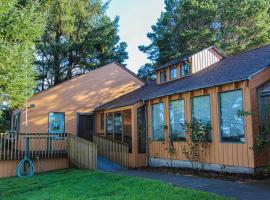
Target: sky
[136,19]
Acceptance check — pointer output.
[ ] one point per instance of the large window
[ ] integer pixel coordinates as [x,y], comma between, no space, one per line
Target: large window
[158,122]
[163,76]
[185,69]
[141,128]
[201,111]
[177,120]
[231,122]
[109,125]
[264,110]
[118,126]
[127,128]
[173,73]
[56,122]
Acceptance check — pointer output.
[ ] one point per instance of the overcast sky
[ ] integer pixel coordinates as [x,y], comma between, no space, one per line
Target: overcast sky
[136,19]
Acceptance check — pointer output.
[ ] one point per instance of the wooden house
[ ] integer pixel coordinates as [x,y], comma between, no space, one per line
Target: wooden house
[150,117]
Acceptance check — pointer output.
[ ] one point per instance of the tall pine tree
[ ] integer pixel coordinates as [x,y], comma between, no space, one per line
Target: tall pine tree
[79,37]
[188,26]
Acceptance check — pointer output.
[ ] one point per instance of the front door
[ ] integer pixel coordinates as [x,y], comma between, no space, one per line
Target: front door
[86,126]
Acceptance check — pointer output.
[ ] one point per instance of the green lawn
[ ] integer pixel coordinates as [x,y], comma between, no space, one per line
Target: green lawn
[80,184]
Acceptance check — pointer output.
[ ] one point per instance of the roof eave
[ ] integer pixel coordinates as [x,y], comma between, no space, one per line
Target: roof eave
[168,94]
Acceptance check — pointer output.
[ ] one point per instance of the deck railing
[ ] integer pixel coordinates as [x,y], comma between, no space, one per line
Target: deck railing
[113,150]
[14,146]
[82,153]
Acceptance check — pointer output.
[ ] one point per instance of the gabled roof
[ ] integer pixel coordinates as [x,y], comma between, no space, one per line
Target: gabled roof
[231,69]
[90,72]
[186,57]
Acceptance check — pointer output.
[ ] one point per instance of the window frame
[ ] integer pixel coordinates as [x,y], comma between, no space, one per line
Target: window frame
[16,114]
[102,115]
[182,139]
[152,128]
[64,117]
[183,66]
[143,111]
[165,76]
[121,122]
[210,138]
[173,68]
[219,118]
[107,114]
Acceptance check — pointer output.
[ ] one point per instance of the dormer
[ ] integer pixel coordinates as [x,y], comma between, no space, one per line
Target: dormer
[186,66]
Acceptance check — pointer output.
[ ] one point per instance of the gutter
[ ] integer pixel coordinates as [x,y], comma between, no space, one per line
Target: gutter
[258,72]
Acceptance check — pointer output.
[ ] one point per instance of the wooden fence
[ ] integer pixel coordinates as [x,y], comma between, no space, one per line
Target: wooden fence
[13,146]
[82,153]
[113,150]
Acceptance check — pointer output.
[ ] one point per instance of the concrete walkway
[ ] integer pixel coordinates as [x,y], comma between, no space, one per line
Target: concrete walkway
[242,191]
[106,165]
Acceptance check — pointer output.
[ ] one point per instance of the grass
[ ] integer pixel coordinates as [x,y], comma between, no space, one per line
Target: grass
[81,185]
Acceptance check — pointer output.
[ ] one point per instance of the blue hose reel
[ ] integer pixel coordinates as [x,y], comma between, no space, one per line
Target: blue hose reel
[25,167]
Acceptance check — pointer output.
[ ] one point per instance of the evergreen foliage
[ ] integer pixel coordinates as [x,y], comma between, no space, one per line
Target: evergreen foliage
[20,26]
[188,26]
[146,72]
[79,37]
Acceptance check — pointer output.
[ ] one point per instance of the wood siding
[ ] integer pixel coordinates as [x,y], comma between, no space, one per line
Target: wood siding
[8,167]
[81,94]
[256,81]
[230,154]
[204,59]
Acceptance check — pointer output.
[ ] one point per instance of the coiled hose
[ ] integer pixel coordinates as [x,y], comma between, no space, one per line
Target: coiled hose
[23,170]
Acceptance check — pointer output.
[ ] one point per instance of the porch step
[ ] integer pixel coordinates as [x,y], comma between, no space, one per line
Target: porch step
[105,165]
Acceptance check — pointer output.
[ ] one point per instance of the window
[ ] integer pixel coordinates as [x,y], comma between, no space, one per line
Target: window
[173,73]
[127,128]
[109,125]
[102,121]
[201,111]
[177,120]
[16,122]
[163,76]
[184,69]
[141,128]
[158,122]
[231,124]
[118,126]
[264,110]
[56,122]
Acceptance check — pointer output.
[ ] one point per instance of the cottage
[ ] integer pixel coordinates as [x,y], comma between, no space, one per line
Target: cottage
[150,117]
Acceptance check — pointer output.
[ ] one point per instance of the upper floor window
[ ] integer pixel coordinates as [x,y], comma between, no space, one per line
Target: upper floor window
[173,73]
[56,122]
[184,69]
[201,111]
[231,122]
[177,120]
[163,76]
[158,122]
